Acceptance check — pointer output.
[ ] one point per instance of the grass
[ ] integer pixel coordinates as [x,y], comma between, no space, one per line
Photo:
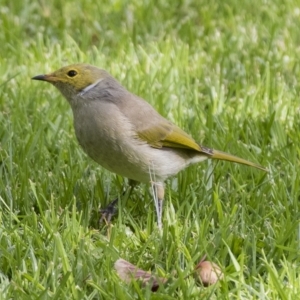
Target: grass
[225,71]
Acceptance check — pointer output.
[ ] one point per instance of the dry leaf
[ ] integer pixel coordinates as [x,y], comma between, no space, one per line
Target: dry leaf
[128,272]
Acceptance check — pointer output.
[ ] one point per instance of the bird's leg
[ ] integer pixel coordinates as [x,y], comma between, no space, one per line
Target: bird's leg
[111,209]
[158,194]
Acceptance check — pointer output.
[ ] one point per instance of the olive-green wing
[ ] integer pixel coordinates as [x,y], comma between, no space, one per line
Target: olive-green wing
[168,135]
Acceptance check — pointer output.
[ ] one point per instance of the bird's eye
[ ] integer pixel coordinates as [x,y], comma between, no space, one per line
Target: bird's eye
[72,73]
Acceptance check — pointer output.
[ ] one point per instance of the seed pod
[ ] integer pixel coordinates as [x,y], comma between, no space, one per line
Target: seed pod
[208,272]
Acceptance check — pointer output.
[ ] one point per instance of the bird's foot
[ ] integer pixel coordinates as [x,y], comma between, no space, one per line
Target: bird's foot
[109,211]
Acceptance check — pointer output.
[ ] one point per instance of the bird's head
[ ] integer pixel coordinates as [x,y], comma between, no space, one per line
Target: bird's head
[75,79]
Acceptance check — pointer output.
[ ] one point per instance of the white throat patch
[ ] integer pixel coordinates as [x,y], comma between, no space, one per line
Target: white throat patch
[89,87]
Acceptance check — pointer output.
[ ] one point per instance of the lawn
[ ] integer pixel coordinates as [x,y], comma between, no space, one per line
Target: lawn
[224,71]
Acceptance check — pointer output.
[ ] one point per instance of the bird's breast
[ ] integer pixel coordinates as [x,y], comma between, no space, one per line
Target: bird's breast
[108,137]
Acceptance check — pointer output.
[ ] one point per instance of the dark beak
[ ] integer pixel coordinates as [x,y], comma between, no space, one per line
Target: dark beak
[46,77]
[40,77]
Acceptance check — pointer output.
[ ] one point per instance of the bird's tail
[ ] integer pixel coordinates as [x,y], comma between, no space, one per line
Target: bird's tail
[216,154]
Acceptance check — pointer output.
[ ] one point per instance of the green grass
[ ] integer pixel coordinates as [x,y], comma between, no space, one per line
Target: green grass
[225,71]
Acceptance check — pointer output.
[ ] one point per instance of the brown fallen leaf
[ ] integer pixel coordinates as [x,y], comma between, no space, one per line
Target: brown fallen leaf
[128,272]
[208,272]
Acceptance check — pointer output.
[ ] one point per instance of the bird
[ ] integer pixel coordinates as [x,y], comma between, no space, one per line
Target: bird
[125,134]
